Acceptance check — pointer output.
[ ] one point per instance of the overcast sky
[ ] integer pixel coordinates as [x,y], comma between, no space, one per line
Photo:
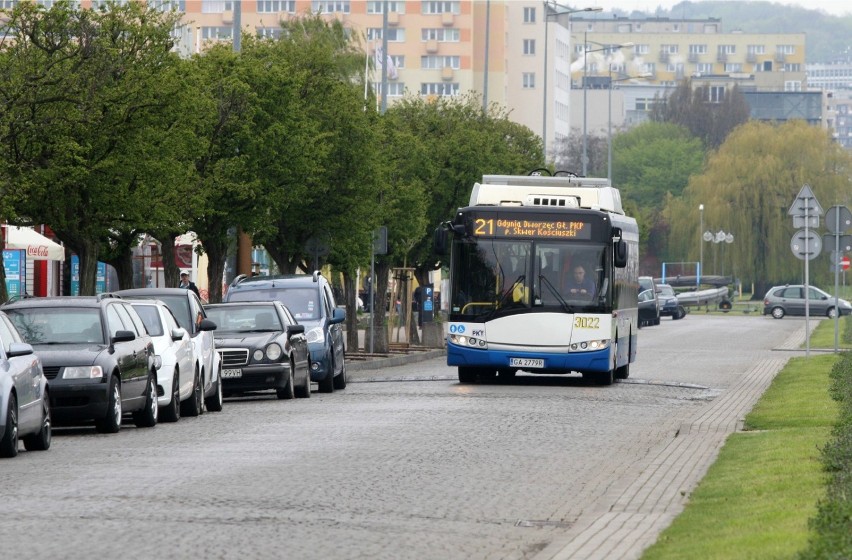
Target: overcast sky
[834,7]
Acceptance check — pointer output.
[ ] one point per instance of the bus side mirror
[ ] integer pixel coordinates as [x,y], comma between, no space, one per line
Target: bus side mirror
[440,241]
[620,254]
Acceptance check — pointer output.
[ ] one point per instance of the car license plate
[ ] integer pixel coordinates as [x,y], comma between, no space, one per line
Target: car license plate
[230,373]
[526,362]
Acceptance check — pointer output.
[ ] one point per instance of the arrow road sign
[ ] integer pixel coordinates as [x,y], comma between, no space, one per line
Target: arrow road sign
[806,245]
[806,204]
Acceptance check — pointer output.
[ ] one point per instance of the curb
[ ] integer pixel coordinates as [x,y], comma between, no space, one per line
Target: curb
[392,361]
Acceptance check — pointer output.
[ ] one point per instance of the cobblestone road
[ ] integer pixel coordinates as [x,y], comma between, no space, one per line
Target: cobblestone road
[390,468]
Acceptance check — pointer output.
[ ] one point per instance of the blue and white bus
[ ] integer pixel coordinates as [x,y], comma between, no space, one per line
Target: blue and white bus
[543,279]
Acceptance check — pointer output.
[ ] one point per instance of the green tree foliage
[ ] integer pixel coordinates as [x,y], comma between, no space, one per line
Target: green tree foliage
[692,108]
[747,189]
[86,91]
[650,163]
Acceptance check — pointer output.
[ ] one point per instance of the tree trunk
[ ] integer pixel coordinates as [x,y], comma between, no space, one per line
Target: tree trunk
[4,295]
[123,265]
[217,254]
[88,253]
[171,272]
[351,290]
[379,318]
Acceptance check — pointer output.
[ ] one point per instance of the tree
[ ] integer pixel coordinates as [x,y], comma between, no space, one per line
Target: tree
[747,188]
[87,92]
[704,116]
[568,154]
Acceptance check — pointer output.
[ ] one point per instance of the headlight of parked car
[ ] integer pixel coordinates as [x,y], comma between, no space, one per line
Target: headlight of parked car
[83,372]
[273,352]
[315,335]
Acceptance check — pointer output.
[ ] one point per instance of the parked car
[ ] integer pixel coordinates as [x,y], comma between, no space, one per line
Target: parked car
[652,312]
[261,347]
[177,385]
[790,300]
[97,356]
[669,304]
[310,299]
[24,395]
[191,316]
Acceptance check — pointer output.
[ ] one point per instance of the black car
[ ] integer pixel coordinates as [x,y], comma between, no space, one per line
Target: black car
[311,301]
[261,347]
[649,304]
[669,304]
[97,356]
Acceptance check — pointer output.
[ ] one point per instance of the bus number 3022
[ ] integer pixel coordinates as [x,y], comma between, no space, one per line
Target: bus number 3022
[586,322]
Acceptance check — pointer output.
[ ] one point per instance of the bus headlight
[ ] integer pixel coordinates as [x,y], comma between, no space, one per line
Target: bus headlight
[468,341]
[590,345]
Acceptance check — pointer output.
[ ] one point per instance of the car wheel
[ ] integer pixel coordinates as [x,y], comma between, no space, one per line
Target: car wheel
[41,440]
[340,380]
[147,417]
[327,385]
[304,390]
[831,313]
[287,392]
[778,312]
[193,405]
[171,412]
[9,442]
[214,403]
[111,422]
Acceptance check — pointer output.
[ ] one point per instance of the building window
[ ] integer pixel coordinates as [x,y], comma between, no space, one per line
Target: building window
[377,6]
[792,67]
[716,94]
[439,88]
[704,68]
[436,62]
[529,46]
[793,85]
[670,49]
[785,49]
[212,6]
[276,6]
[697,49]
[529,80]
[649,68]
[529,15]
[221,33]
[644,103]
[733,67]
[676,67]
[727,49]
[756,49]
[441,7]
[161,5]
[268,32]
[395,89]
[440,34]
[639,49]
[395,35]
[330,6]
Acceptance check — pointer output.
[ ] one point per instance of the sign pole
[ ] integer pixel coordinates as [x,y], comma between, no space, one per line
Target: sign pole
[807,290]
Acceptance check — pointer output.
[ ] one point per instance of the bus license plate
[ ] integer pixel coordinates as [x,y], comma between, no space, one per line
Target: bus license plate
[526,362]
[231,373]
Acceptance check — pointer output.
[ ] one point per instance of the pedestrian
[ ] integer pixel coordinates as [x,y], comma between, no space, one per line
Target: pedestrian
[187,284]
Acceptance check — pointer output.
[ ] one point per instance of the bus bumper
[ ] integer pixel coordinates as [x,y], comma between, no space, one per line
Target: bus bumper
[554,362]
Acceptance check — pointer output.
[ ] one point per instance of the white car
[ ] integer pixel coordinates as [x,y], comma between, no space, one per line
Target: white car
[190,315]
[173,347]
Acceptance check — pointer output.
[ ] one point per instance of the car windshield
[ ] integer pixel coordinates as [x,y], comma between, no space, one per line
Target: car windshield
[179,305]
[244,318]
[151,317]
[303,303]
[58,325]
[667,291]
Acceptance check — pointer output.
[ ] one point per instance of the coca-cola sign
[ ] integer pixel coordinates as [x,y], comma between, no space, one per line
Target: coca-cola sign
[37,251]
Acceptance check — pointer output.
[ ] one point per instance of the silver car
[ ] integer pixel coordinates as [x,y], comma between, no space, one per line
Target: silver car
[24,401]
[790,300]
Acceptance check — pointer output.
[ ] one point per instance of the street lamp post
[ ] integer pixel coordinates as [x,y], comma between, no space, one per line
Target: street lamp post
[717,238]
[586,51]
[700,244]
[548,6]
[609,120]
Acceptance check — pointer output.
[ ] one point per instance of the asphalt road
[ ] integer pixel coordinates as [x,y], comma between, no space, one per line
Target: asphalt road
[404,463]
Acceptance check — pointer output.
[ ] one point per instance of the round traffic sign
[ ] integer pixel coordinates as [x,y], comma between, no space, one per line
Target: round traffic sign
[845,262]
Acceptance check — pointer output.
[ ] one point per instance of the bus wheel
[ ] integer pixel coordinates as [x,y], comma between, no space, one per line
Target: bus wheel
[623,372]
[467,375]
[605,377]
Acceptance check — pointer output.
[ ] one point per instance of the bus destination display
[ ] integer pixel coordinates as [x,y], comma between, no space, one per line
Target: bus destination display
[539,227]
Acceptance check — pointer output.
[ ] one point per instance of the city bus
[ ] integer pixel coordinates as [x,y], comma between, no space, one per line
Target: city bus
[543,279]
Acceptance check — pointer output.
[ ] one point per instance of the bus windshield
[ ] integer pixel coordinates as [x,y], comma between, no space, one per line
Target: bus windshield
[496,276]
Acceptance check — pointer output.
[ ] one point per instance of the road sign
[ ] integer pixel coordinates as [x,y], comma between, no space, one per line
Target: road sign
[806,244]
[838,219]
[844,242]
[845,262]
[812,221]
[806,204]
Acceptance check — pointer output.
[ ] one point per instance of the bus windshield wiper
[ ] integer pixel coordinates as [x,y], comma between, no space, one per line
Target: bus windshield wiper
[504,301]
[545,282]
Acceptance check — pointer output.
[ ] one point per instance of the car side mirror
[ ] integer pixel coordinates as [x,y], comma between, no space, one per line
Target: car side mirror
[295,329]
[177,334]
[123,336]
[338,315]
[207,325]
[19,349]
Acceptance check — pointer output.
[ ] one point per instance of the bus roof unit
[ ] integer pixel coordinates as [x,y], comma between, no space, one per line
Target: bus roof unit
[543,191]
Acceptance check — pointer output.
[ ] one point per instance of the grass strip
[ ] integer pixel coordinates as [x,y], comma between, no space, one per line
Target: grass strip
[823,335]
[756,499]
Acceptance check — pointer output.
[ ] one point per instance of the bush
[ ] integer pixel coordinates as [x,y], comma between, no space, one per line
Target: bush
[832,524]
